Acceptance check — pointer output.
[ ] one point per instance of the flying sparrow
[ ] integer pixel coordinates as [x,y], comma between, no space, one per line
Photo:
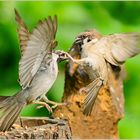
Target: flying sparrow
[97,52]
[38,69]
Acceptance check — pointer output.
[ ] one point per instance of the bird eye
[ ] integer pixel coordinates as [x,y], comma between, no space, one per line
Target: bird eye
[88,40]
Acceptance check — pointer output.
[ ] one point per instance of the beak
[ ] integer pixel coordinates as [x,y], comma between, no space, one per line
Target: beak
[78,41]
[61,55]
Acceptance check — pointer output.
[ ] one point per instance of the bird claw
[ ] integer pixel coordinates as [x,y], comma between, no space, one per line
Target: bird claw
[54,106]
[66,55]
[48,108]
[69,56]
[58,104]
[43,104]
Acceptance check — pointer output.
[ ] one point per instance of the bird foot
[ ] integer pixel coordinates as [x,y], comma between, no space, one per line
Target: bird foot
[58,104]
[52,107]
[43,104]
[54,104]
[68,56]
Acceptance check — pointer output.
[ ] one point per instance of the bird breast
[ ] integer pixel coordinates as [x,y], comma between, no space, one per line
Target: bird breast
[98,68]
[43,80]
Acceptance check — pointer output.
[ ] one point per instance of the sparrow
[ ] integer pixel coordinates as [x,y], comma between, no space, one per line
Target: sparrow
[38,69]
[97,53]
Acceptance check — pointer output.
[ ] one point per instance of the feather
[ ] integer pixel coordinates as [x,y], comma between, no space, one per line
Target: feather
[23,32]
[117,48]
[40,42]
[10,108]
[92,91]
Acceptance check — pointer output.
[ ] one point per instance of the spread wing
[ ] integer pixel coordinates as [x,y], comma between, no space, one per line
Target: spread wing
[23,32]
[118,48]
[41,41]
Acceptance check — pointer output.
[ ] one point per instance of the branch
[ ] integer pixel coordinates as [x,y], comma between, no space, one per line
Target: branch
[38,128]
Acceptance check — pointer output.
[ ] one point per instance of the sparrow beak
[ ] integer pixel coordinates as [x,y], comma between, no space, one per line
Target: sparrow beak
[61,54]
[78,41]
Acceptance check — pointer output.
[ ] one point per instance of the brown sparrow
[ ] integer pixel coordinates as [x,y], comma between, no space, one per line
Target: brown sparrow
[96,52]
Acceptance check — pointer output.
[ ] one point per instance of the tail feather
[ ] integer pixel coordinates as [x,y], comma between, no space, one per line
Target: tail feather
[13,118]
[7,116]
[10,108]
[92,91]
[3,101]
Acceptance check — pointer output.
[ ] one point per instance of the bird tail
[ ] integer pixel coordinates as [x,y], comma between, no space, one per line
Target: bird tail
[92,91]
[10,107]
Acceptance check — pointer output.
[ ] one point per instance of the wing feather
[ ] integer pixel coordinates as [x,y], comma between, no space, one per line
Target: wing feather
[41,41]
[117,48]
[23,32]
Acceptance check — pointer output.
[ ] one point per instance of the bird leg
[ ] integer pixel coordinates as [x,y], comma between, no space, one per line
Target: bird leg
[55,104]
[65,55]
[79,61]
[62,55]
[83,62]
[43,104]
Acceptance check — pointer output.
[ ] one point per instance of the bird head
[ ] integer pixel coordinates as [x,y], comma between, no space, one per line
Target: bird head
[85,37]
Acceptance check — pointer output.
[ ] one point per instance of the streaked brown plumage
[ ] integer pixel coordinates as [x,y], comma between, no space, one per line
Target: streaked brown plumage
[96,52]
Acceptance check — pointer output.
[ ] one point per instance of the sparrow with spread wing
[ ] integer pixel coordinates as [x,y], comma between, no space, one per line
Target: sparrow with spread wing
[38,69]
[97,52]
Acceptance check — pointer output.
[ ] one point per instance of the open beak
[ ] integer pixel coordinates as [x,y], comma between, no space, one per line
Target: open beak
[61,54]
[78,41]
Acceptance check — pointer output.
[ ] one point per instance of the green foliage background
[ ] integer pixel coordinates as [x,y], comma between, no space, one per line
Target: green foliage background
[73,17]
